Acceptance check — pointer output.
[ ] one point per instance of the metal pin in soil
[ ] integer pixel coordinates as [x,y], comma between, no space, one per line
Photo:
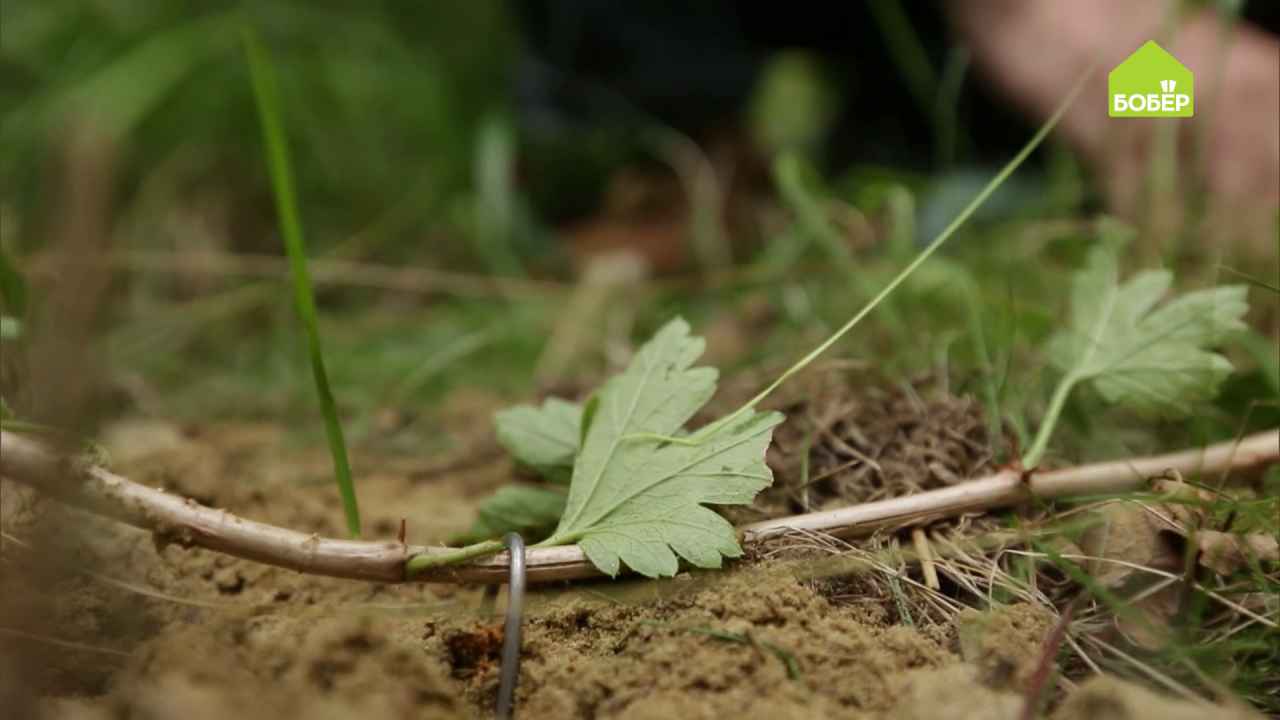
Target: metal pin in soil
[510,673]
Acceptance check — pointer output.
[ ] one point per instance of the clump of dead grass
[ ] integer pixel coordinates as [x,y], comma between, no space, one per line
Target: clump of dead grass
[850,443]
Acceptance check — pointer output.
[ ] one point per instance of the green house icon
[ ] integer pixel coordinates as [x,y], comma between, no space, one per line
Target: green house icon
[1151,83]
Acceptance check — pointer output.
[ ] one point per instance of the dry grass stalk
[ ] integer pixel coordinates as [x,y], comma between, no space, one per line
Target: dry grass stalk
[926,558]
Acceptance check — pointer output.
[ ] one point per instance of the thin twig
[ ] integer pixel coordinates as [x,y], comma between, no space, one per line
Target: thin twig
[184,522]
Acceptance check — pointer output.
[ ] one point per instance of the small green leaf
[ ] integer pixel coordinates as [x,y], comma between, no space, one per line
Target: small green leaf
[1155,361]
[542,438]
[266,93]
[1158,361]
[635,499]
[529,510]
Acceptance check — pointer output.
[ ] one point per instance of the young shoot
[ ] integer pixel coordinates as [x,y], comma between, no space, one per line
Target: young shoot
[1155,361]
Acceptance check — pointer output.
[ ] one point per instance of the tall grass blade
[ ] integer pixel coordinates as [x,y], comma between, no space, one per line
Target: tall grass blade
[908,52]
[265,91]
[495,208]
[920,259]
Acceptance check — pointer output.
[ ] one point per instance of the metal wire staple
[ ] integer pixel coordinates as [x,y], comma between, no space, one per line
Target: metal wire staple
[511,632]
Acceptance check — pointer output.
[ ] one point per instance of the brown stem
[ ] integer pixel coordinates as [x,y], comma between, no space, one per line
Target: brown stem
[183,521]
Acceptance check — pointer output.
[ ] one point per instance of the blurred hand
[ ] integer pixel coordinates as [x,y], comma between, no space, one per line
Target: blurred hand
[1035,51]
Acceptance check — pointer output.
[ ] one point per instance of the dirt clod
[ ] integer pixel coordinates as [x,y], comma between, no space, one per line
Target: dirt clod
[1004,644]
[956,692]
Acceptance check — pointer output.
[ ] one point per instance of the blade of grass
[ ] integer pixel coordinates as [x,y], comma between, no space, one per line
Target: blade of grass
[13,288]
[127,89]
[265,91]
[495,209]
[697,176]
[907,51]
[946,120]
[788,173]
[1250,279]
[920,259]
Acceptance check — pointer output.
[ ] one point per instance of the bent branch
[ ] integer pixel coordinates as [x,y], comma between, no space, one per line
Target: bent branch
[182,521]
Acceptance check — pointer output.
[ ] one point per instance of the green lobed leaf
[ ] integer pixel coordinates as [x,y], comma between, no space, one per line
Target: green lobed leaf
[542,438]
[1154,360]
[639,500]
[529,510]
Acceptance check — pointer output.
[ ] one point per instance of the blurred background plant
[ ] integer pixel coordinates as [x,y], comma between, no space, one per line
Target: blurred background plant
[459,165]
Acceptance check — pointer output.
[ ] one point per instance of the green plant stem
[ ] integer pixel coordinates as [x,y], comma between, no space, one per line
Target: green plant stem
[788,170]
[495,197]
[558,540]
[418,563]
[1056,403]
[277,147]
[946,125]
[924,255]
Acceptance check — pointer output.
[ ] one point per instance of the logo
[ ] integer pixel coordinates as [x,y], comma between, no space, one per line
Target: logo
[1151,83]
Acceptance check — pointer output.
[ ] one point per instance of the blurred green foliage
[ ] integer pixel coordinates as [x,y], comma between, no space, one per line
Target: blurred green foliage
[409,149]
[382,99]
[793,105]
